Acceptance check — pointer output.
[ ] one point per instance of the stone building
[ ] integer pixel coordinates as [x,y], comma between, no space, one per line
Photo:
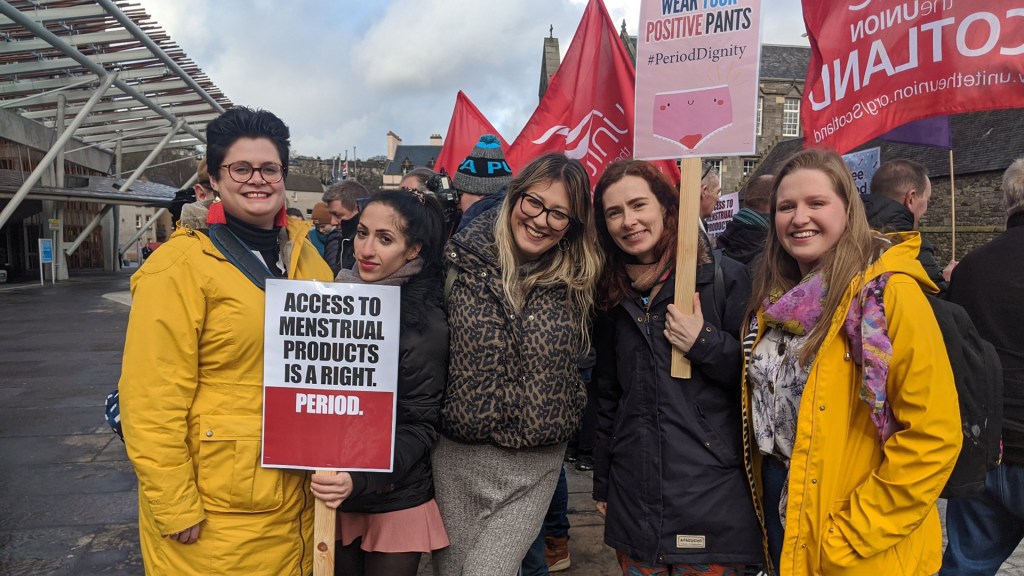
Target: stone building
[984,145]
[404,157]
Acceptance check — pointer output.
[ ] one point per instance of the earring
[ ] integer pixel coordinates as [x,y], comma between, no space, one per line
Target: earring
[563,245]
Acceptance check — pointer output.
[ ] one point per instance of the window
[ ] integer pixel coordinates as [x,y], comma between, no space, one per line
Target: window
[791,117]
[748,166]
[716,165]
[138,221]
[760,110]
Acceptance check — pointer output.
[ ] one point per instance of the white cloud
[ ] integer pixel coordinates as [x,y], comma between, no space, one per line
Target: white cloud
[343,74]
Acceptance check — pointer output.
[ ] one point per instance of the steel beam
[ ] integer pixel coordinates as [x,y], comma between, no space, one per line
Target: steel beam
[28,85]
[36,44]
[47,64]
[141,36]
[55,41]
[152,156]
[46,161]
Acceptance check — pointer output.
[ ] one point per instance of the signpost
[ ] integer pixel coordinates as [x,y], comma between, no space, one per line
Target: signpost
[696,95]
[46,257]
[330,378]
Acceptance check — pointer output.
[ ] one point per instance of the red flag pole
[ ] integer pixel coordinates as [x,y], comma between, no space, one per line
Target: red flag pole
[952,201]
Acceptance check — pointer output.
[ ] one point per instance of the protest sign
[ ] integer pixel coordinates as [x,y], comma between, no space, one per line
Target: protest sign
[330,375]
[863,166]
[726,207]
[697,78]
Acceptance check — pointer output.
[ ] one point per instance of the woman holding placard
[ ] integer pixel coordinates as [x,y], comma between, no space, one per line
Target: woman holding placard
[520,282]
[387,520]
[191,388]
[668,472]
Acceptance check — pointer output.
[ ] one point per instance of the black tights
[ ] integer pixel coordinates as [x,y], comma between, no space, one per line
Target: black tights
[351,561]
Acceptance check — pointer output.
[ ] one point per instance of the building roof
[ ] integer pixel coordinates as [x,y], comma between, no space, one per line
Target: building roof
[982,142]
[784,62]
[302,183]
[68,47]
[418,155]
[90,189]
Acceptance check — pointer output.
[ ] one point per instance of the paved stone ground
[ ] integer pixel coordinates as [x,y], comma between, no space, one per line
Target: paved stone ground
[68,500]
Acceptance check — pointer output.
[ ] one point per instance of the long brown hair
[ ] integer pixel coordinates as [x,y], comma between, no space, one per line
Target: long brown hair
[614,284]
[856,247]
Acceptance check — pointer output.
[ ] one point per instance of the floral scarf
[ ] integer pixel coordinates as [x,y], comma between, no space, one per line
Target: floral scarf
[798,310]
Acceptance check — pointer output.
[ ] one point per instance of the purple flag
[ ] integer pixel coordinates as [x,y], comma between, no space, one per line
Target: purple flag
[934,131]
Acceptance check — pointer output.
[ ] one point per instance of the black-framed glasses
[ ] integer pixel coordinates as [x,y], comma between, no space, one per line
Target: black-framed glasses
[242,172]
[533,207]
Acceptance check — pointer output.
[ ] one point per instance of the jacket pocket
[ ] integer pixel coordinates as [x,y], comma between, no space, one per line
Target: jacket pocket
[839,558]
[726,453]
[230,476]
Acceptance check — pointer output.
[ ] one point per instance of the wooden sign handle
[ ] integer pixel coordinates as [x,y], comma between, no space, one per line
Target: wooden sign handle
[325,520]
[686,251]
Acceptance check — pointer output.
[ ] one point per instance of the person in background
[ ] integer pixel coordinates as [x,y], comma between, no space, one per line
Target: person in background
[668,451]
[191,388]
[481,179]
[201,192]
[295,213]
[417,178]
[743,238]
[521,290]
[900,191]
[984,530]
[342,200]
[850,412]
[326,237]
[710,191]
[387,520]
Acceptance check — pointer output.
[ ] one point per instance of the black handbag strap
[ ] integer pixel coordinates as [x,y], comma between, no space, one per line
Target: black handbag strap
[239,254]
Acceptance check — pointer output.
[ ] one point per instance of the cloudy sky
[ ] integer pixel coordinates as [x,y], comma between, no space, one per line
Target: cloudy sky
[342,73]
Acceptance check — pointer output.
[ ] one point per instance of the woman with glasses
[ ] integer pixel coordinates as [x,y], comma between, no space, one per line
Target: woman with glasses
[668,470]
[191,386]
[520,291]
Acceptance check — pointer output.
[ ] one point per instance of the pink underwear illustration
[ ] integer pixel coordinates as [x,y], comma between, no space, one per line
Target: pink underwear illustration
[689,117]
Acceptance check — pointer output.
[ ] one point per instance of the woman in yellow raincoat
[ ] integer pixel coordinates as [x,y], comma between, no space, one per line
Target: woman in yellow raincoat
[851,418]
[191,386]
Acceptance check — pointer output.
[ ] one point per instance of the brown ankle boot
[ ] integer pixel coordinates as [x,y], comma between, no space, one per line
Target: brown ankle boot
[556,553]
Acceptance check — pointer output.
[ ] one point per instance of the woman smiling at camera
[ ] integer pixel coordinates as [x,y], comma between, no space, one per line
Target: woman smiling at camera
[521,284]
[387,520]
[191,386]
[854,423]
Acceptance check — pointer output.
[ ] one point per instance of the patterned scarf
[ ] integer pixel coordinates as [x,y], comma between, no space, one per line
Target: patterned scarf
[798,310]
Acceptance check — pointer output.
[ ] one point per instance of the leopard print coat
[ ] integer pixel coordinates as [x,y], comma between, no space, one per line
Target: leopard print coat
[513,378]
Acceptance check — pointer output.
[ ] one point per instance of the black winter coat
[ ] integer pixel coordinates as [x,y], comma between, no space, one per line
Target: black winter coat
[422,372]
[669,456]
[886,215]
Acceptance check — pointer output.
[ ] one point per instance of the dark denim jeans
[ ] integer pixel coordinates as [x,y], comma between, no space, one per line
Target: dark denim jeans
[556,523]
[773,478]
[984,530]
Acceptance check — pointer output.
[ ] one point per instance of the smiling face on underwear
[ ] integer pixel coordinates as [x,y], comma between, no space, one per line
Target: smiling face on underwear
[689,117]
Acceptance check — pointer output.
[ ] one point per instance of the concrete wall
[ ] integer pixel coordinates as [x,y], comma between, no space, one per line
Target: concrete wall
[35,135]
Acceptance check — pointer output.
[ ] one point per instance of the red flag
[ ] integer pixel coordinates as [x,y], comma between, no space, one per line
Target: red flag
[878,65]
[587,111]
[464,131]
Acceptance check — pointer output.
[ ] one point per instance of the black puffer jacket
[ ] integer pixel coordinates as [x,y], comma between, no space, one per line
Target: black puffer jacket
[422,371]
[669,455]
[514,378]
[887,215]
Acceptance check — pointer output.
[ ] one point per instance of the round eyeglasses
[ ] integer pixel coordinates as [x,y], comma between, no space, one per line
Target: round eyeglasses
[242,172]
[533,207]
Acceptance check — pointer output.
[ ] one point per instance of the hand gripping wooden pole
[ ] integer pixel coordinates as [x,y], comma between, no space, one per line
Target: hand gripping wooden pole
[324,522]
[686,251]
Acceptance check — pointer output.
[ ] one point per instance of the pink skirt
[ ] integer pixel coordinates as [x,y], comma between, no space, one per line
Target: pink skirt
[418,529]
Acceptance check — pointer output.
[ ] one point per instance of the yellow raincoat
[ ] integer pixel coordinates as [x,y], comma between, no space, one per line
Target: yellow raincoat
[191,395]
[857,507]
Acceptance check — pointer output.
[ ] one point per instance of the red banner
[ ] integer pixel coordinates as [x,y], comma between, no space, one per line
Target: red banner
[467,125]
[587,111]
[877,65]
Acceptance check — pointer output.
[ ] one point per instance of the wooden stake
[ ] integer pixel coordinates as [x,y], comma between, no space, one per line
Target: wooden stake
[324,522]
[686,251]
[952,201]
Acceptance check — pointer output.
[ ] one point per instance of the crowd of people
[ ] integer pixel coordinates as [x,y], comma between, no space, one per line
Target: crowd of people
[817,429]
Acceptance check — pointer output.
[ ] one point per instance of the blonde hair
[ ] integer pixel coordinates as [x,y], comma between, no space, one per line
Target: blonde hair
[856,247]
[578,266]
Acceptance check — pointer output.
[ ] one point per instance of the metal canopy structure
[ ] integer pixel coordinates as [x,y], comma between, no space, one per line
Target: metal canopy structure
[94,75]
[50,48]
